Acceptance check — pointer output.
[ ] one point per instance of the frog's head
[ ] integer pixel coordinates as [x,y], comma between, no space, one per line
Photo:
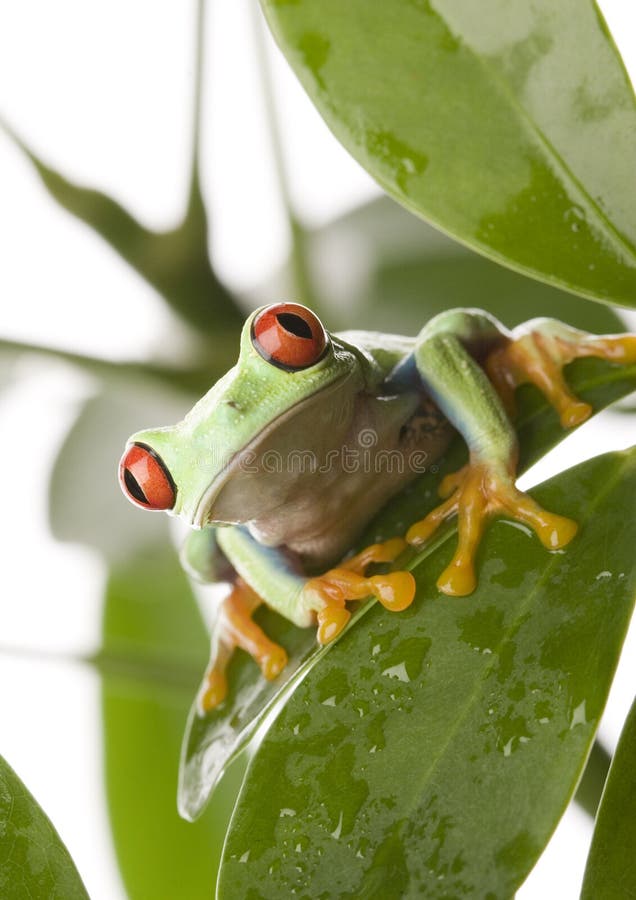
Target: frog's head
[288,365]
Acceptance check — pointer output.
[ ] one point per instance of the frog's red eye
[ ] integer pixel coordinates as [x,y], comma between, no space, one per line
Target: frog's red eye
[289,335]
[145,480]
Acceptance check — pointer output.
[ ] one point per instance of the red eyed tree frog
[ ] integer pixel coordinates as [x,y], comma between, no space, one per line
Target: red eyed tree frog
[286,459]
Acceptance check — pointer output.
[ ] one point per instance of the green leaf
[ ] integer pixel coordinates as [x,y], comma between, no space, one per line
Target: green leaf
[590,788]
[413,272]
[33,860]
[8,359]
[512,127]
[176,263]
[196,379]
[611,867]
[211,743]
[151,616]
[86,504]
[626,408]
[154,648]
[436,752]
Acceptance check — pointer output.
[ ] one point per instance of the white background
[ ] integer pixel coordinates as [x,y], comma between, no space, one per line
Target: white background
[102,92]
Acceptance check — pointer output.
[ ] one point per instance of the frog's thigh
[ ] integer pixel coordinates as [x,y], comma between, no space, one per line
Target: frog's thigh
[459,385]
[538,351]
[485,486]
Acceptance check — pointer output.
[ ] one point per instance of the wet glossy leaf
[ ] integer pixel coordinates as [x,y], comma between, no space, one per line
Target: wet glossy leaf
[611,865]
[510,126]
[211,743]
[405,272]
[33,860]
[155,646]
[435,754]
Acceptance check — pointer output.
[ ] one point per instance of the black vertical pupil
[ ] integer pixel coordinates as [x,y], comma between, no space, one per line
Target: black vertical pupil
[133,487]
[295,325]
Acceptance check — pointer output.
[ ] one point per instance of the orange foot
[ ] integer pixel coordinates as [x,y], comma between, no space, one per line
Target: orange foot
[538,352]
[234,628]
[476,493]
[327,594]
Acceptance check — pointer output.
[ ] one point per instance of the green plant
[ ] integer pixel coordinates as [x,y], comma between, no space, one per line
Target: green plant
[390,772]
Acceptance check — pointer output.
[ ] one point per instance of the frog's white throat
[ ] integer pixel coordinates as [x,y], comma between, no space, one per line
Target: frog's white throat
[265,473]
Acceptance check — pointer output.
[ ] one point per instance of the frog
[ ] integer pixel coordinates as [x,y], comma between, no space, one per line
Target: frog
[279,468]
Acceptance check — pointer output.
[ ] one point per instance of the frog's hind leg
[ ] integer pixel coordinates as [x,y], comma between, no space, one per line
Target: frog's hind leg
[485,487]
[538,351]
[234,628]
[481,490]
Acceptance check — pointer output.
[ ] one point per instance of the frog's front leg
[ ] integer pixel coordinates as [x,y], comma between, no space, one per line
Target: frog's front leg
[206,559]
[486,485]
[328,594]
[267,574]
[234,628]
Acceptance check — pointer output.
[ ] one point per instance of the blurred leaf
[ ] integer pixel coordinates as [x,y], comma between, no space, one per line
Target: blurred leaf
[152,615]
[627,408]
[511,127]
[176,263]
[153,629]
[611,867]
[86,504]
[492,290]
[383,268]
[33,860]
[210,743]
[196,380]
[8,364]
[590,788]
[437,753]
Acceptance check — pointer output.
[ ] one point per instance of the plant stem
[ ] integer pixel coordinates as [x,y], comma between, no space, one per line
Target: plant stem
[303,286]
[199,65]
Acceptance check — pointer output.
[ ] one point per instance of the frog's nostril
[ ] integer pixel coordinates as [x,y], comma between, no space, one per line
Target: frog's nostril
[145,480]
